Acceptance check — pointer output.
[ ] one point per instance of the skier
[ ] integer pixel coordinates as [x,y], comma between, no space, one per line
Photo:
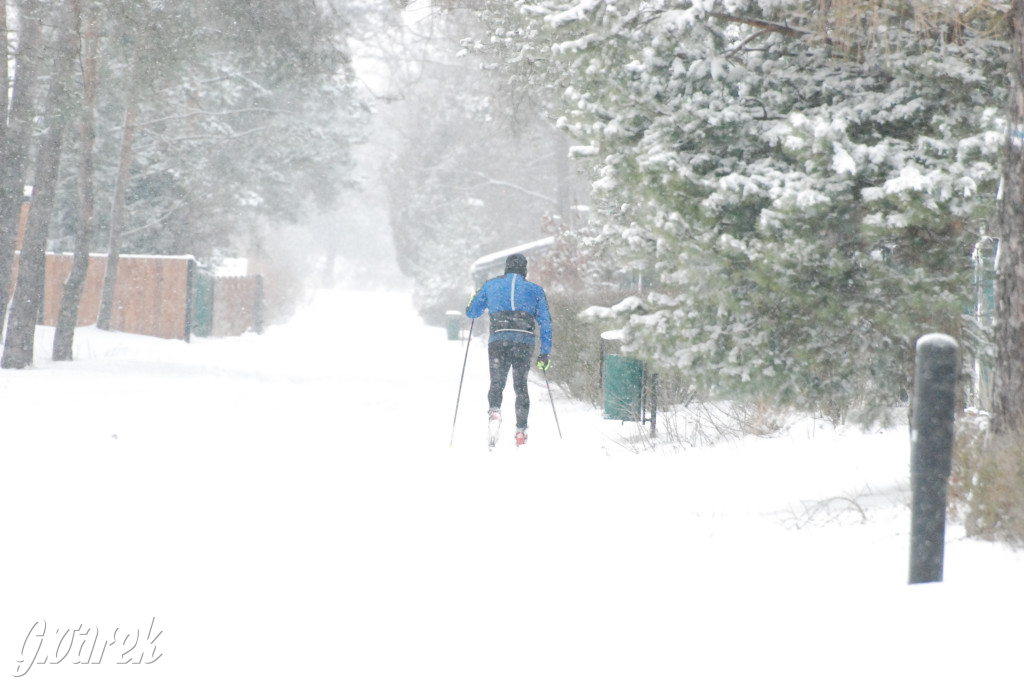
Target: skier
[517,308]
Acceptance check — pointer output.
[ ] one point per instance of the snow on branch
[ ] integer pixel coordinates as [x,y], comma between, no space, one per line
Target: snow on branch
[535,9]
[576,13]
[515,187]
[578,45]
[761,24]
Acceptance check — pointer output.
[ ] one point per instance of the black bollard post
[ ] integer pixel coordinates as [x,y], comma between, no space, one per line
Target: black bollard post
[931,453]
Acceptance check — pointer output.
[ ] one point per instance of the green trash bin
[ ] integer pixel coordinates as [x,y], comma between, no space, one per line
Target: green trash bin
[454,324]
[623,387]
[202,312]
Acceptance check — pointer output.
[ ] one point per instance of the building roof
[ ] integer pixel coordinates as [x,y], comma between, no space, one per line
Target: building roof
[493,264]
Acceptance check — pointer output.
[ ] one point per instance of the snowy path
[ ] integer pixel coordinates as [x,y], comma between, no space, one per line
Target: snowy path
[289,510]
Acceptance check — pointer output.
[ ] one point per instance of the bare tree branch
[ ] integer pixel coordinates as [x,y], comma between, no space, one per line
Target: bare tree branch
[488,181]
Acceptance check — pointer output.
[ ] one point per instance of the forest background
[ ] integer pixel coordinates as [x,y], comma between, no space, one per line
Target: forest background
[772,199]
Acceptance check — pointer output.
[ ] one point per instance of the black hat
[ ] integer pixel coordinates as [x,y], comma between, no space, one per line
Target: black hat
[516,263]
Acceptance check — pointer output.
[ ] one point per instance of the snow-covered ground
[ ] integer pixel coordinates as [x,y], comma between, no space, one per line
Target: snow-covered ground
[285,509]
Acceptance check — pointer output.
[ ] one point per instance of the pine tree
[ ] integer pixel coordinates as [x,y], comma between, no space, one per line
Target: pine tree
[805,189]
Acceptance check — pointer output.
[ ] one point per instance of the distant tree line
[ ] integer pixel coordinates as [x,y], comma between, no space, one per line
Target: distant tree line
[470,166]
[164,128]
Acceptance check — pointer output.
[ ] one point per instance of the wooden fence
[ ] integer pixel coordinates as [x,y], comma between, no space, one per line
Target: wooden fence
[151,296]
[237,305]
[154,296]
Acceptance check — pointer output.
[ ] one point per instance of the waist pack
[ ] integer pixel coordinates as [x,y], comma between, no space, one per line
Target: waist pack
[512,321]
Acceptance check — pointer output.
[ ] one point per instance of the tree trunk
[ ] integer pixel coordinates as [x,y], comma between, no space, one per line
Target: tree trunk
[28,293]
[5,75]
[117,216]
[64,336]
[1008,377]
[15,144]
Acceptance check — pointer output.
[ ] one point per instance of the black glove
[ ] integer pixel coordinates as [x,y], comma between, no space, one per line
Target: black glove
[543,362]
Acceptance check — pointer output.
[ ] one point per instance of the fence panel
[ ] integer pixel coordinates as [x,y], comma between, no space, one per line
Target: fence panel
[58,267]
[152,297]
[237,305]
[152,294]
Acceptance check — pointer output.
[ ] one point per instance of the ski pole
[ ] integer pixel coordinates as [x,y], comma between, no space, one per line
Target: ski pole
[469,337]
[552,397]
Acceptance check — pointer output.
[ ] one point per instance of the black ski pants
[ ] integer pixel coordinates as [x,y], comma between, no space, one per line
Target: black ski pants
[504,355]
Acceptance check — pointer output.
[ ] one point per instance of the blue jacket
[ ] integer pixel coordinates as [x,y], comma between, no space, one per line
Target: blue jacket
[517,306]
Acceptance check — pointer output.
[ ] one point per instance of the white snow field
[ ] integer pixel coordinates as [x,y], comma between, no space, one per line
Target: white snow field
[285,509]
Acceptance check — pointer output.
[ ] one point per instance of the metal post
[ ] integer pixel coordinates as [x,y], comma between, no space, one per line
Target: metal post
[643,395]
[931,453]
[654,405]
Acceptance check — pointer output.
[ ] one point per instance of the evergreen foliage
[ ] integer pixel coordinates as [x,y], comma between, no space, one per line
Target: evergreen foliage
[805,186]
